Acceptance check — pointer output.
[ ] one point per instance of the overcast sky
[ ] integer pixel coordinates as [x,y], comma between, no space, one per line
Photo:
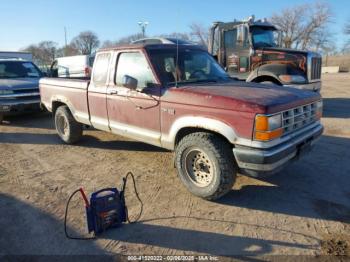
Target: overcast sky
[26,22]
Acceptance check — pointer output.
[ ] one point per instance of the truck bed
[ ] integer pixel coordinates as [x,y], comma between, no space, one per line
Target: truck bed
[72,92]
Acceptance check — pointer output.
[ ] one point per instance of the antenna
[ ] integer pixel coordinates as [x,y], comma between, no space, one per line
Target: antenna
[177,51]
[65,41]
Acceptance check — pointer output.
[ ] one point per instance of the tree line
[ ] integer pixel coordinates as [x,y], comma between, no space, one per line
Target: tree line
[304,26]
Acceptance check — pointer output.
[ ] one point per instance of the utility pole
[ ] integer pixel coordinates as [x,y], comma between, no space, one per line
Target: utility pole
[65,41]
[143,25]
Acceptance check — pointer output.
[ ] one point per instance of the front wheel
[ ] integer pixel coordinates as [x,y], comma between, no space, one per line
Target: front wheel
[205,165]
[69,130]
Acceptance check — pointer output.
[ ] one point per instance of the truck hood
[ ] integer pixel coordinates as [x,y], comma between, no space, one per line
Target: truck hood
[241,96]
[19,83]
[284,50]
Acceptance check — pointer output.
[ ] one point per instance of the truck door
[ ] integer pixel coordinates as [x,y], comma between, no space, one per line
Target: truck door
[237,51]
[134,113]
[97,92]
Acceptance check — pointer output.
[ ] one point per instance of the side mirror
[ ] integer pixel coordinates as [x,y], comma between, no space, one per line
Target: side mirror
[129,82]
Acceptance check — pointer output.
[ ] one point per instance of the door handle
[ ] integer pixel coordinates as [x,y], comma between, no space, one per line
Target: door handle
[112,92]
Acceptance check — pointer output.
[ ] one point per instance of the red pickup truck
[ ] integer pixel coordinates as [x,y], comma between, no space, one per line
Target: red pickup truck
[179,98]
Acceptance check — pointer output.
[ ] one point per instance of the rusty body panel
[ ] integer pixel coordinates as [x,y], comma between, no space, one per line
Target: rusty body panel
[134,108]
[234,103]
[97,101]
[74,96]
[296,59]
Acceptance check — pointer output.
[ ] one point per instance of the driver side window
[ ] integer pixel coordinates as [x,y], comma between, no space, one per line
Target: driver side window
[134,64]
[230,38]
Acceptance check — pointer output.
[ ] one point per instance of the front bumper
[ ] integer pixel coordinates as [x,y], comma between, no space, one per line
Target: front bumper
[18,106]
[314,86]
[261,162]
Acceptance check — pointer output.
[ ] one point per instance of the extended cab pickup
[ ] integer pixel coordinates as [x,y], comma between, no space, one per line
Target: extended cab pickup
[179,98]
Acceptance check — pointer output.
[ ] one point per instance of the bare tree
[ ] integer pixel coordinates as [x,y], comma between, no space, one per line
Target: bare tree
[182,36]
[122,41]
[303,26]
[43,53]
[199,34]
[128,39]
[86,42]
[68,50]
[347,28]
[108,43]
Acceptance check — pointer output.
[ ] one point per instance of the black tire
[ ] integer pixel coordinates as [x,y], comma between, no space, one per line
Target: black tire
[205,164]
[69,130]
[1,118]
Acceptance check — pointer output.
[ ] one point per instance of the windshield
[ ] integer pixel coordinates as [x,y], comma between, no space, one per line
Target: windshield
[193,66]
[18,69]
[264,37]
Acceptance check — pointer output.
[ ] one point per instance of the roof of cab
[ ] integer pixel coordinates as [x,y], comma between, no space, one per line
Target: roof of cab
[150,46]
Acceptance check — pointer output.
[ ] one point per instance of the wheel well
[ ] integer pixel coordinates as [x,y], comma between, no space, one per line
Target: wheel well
[189,130]
[260,79]
[55,105]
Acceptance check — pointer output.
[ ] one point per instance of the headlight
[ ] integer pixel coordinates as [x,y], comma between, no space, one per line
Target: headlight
[292,78]
[268,127]
[6,92]
[319,109]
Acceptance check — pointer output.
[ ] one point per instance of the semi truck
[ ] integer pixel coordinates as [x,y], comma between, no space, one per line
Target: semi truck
[251,50]
[179,98]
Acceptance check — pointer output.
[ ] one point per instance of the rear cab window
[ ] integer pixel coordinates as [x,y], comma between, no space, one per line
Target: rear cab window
[100,72]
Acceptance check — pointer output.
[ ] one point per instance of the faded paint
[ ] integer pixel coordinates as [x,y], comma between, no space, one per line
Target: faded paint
[156,114]
[296,59]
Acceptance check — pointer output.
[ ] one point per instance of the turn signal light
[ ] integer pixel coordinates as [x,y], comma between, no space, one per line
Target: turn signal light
[268,135]
[261,123]
[268,127]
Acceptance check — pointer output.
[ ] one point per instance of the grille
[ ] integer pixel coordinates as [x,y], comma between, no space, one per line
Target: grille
[316,64]
[298,117]
[22,94]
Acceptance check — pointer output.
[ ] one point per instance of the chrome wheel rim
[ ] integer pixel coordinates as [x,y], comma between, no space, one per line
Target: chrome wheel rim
[199,167]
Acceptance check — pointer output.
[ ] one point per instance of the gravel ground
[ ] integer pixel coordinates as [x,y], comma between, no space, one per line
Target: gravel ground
[304,210]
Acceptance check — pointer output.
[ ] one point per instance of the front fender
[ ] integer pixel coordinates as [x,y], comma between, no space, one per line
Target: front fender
[273,71]
[217,126]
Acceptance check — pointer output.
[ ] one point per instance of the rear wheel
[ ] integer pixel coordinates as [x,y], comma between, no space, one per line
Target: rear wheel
[205,165]
[1,118]
[69,130]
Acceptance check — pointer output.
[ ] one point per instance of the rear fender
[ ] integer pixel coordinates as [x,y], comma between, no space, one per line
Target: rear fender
[81,117]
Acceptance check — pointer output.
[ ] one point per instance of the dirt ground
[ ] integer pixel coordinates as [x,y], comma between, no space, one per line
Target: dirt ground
[304,210]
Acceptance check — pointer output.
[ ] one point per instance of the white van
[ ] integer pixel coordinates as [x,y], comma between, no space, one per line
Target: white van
[78,66]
